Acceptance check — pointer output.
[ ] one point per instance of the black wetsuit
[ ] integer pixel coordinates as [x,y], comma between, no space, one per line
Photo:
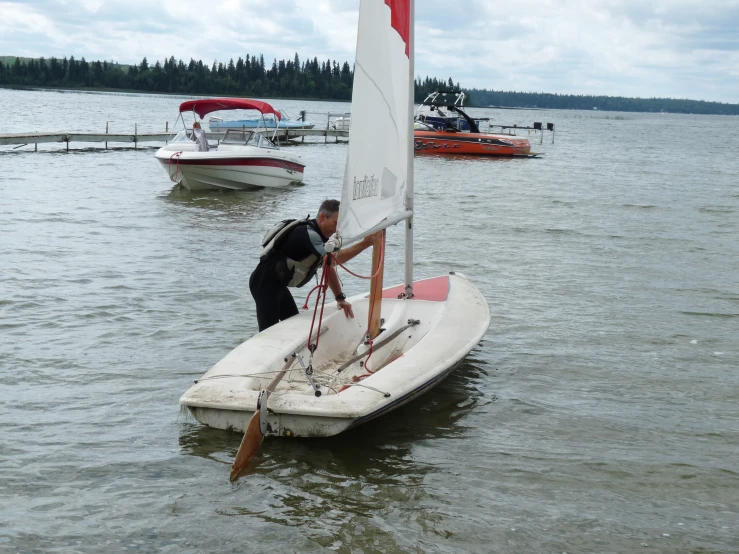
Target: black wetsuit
[269,287]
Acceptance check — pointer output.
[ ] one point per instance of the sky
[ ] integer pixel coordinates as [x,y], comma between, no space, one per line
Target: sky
[634,48]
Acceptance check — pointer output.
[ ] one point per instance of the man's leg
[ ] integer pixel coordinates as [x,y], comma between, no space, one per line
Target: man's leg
[288,308]
[267,300]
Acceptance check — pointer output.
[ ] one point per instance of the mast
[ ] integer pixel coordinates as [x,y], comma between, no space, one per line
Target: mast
[378,263]
[409,177]
[375,298]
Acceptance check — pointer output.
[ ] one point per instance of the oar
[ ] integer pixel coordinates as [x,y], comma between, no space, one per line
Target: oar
[254,433]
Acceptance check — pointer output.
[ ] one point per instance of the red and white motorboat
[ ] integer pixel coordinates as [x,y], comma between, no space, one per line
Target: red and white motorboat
[243,158]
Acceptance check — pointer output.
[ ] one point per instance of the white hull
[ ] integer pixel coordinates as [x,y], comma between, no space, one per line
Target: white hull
[423,340]
[242,169]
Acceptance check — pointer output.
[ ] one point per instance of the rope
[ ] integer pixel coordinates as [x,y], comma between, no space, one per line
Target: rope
[240,376]
[318,286]
[177,167]
[332,381]
[323,285]
[379,267]
[321,297]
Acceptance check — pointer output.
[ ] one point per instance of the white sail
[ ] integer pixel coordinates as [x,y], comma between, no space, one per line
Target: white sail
[377,168]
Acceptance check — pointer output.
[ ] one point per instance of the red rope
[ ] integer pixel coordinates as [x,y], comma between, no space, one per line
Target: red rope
[372,309]
[379,267]
[305,306]
[323,285]
[177,167]
[323,300]
[366,360]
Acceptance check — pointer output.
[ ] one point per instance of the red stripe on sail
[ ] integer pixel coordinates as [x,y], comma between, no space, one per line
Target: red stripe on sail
[400,20]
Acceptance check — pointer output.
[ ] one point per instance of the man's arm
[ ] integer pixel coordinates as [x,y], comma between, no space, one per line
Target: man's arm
[335,286]
[346,254]
[333,281]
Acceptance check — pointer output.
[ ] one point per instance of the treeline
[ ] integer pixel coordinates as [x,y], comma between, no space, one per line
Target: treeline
[294,78]
[605,103]
[245,77]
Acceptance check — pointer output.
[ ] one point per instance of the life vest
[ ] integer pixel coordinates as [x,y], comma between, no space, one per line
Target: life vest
[276,236]
[293,273]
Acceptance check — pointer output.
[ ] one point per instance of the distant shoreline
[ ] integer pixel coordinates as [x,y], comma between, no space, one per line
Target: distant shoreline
[98,90]
[293,79]
[146,93]
[512,108]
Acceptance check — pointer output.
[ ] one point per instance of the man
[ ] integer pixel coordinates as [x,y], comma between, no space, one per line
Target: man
[200,137]
[294,263]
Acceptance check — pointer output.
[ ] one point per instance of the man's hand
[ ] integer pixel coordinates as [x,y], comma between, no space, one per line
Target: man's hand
[344,305]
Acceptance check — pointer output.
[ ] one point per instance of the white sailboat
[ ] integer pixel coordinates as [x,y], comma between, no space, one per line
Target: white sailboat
[318,375]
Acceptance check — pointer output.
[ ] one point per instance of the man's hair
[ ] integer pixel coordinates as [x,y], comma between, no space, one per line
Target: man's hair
[329,207]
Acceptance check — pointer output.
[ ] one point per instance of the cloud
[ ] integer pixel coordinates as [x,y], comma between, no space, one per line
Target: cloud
[673,48]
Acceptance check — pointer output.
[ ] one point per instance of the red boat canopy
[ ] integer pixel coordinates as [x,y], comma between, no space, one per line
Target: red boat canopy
[207,105]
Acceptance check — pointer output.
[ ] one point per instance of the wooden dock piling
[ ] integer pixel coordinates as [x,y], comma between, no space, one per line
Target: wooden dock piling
[35,138]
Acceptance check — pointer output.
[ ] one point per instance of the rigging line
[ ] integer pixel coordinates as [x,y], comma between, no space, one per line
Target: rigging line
[379,266]
[382,392]
[307,298]
[331,378]
[321,295]
[346,384]
[380,344]
[234,375]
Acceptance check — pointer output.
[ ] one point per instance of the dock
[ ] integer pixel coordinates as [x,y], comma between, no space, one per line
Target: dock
[537,128]
[24,139]
[63,137]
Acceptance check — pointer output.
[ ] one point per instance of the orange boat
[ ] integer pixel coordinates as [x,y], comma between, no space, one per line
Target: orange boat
[480,144]
[442,127]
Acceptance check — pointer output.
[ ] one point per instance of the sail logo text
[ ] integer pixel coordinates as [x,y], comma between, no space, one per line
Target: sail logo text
[366,188]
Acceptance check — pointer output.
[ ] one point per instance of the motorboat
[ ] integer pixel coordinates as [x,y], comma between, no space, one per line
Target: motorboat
[443,127]
[283,123]
[435,113]
[242,159]
[319,373]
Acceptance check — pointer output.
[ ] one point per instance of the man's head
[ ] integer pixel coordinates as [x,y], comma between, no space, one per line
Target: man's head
[196,125]
[328,217]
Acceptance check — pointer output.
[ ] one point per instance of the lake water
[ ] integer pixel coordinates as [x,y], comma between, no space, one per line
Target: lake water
[599,413]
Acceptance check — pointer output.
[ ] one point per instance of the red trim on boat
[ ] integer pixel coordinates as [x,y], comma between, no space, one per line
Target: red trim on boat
[435,289]
[243,162]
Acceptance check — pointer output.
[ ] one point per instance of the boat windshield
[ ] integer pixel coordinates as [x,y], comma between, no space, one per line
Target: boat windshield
[237,136]
[419,126]
[184,136]
[247,138]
